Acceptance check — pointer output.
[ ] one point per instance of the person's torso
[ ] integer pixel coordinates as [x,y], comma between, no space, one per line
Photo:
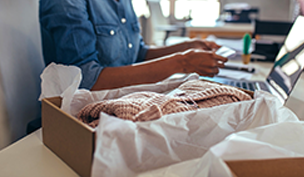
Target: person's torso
[117,30]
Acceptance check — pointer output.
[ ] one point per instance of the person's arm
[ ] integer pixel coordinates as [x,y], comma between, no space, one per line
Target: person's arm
[69,28]
[180,47]
[68,37]
[204,63]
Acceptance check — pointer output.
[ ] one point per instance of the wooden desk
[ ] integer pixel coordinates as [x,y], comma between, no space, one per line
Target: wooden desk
[224,30]
[29,156]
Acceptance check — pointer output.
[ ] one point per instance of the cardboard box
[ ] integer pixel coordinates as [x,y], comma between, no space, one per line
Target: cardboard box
[70,139]
[291,167]
[74,142]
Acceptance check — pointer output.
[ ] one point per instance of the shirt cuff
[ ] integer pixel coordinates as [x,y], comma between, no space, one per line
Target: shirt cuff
[142,53]
[90,72]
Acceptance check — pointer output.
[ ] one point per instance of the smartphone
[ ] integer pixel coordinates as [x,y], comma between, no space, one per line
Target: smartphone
[225,52]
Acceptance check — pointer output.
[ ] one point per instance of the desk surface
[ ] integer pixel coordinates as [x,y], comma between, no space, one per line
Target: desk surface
[29,157]
[220,26]
[219,29]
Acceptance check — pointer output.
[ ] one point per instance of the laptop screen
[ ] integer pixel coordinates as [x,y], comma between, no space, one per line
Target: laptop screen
[289,62]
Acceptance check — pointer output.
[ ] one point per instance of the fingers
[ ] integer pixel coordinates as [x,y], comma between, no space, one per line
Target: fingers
[220,65]
[219,58]
[213,46]
[210,45]
[207,58]
[203,44]
[208,75]
[205,63]
[201,58]
[209,72]
[213,69]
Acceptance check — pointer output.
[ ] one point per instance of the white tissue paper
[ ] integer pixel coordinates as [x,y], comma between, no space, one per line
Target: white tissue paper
[277,140]
[183,144]
[60,80]
[125,148]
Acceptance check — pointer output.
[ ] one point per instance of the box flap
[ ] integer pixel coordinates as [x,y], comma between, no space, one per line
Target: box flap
[67,137]
[291,167]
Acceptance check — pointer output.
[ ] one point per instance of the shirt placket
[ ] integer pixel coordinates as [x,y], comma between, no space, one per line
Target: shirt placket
[123,23]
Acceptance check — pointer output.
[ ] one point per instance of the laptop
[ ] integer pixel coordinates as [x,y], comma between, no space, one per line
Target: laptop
[287,68]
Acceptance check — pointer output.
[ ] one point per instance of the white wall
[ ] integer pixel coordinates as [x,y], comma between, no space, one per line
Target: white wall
[5,136]
[20,67]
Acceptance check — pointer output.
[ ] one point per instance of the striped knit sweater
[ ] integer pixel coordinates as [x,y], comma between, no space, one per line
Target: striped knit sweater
[145,106]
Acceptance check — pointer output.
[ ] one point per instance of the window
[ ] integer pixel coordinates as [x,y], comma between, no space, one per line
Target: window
[197,9]
[165,5]
[140,7]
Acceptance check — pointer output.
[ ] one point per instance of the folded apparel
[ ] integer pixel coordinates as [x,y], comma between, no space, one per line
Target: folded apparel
[145,106]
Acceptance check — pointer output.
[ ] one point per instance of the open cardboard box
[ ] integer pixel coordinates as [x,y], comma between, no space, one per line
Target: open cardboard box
[70,139]
[74,142]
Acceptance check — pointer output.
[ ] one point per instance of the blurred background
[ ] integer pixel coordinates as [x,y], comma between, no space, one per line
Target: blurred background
[207,12]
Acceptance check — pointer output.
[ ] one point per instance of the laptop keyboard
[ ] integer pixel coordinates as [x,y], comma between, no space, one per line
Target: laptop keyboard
[252,86]
[242,84]
[263,86]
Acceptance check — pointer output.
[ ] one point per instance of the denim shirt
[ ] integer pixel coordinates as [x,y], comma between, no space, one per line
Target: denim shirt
[90,34]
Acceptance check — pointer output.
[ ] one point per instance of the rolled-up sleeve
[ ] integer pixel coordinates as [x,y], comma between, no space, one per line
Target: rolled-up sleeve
[90,73]
[143,48]
[68,37]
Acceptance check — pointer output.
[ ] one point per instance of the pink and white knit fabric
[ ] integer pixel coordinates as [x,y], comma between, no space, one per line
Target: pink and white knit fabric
[145,106]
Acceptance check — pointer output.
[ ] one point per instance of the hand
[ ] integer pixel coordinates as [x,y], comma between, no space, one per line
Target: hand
[202,44]
[205,63]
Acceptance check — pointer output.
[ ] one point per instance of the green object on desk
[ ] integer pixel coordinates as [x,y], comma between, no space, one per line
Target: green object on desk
[246,43]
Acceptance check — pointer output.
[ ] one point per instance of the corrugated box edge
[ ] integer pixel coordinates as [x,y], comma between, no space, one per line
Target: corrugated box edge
[68,138]
[291,167]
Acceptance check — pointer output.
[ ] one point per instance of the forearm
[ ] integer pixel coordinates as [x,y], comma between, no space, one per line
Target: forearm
[190,44]
[142,73]
[205,63]
[166,50]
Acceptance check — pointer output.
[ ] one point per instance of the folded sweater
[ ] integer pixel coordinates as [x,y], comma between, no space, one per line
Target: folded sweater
[145,106]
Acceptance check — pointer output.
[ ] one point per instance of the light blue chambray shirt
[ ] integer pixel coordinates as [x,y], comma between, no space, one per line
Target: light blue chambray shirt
[90,34]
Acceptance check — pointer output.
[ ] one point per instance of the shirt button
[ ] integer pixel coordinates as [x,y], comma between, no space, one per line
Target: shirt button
[112,32]
[130,45]
[123,20]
